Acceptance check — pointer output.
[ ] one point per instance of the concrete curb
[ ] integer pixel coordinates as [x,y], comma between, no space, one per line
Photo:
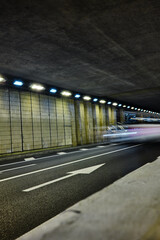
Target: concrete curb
[127,209]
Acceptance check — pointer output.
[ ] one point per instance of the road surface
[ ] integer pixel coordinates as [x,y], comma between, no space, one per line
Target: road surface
[33,191]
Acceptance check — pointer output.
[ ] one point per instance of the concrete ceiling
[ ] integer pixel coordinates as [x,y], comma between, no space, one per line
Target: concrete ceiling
[100,47]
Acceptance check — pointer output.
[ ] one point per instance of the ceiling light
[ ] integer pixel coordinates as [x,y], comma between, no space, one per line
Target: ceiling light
[87,98]
[37,87]
[18,83]
[77,95]
[114,104]
[53,90]
[95,99]
[139,109]
[135,108]
[2,79]
[132,108]
[102,101]
[119,105]
[128,106]
[66,93]
[124,106]
[109,103]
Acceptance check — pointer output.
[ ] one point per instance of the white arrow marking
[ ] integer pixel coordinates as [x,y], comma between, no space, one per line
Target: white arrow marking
[87,170]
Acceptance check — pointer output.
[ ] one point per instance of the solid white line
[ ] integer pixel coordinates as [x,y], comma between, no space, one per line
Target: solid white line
[11,169]
[100,146]
[84,149]
[65,164]
[8,164]
[20,162]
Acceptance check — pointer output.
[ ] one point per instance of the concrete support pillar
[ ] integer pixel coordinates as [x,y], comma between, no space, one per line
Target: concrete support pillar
[73,122]
[88,117]
[112,116]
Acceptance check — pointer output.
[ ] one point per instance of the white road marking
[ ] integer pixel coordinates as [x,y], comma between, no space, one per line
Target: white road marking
[100,146]
[29,159]
[8,164]
[61,153]
[11,169]
[87,170]
[84,149]
[73,152]
[69,163]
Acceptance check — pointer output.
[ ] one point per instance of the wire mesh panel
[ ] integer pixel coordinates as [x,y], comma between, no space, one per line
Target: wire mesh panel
[36,119]
[53,121]
[67,122]
[60,122]
[27,127]
[5,130]
[16,126]
[45,121]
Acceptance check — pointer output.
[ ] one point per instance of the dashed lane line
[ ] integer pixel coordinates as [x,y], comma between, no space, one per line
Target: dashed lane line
[68,163]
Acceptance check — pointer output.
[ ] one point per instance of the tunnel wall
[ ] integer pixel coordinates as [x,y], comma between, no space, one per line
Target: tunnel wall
[30,120]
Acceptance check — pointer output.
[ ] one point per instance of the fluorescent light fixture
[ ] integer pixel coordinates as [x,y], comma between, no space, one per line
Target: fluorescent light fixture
[132,108]
[135,108]
[53,90]
[95,99]
[86,98]
[109,103]
[139,109]
[124,106]
[119,105]
[77,95]
[37,87]
[18,83]
[66,93]
[2,79]
[102,101]
[114,104]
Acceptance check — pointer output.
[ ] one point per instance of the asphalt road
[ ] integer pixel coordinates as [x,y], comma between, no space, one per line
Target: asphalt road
[32,192]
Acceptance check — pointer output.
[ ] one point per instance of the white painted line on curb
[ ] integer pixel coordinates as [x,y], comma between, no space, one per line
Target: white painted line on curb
[61,153]
[69,163]
[11,169]
[29,159]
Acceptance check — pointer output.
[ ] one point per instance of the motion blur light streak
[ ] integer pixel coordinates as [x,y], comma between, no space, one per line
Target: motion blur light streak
[134,132]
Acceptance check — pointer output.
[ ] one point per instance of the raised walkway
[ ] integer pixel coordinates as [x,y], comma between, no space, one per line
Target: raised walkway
[129,209]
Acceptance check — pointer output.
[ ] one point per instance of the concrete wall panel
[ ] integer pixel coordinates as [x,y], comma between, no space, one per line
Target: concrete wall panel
[5,130]
[16,124]
[27,126]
